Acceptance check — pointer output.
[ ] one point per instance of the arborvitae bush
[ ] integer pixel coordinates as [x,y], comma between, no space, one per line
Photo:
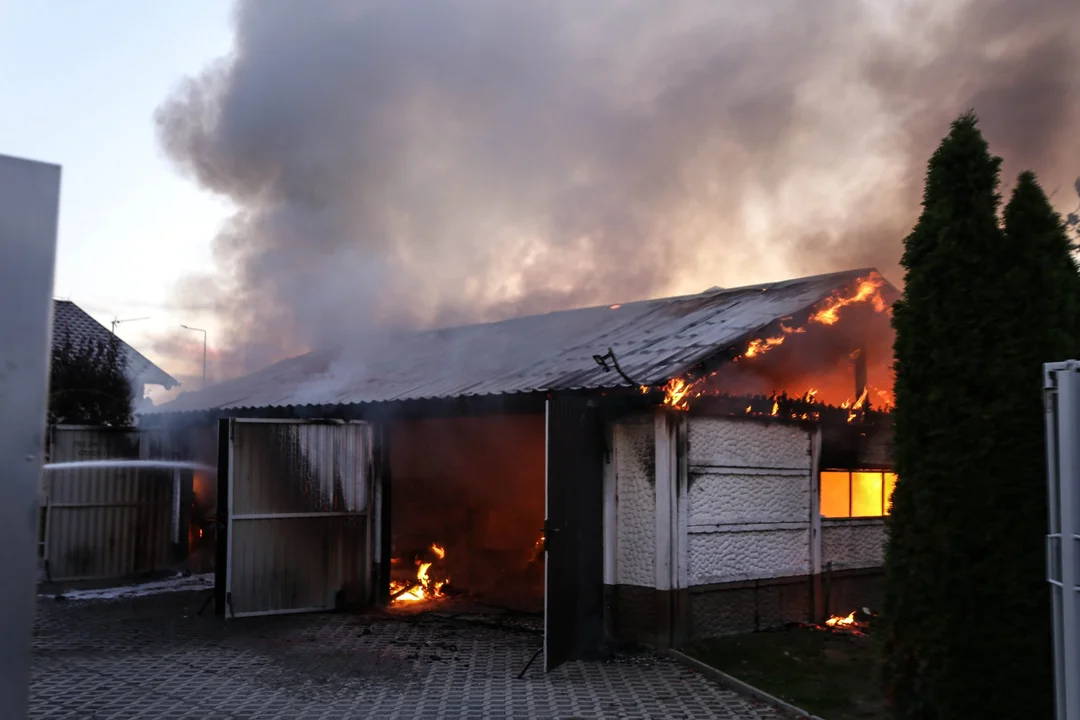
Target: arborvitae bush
[967,604]
[88,384]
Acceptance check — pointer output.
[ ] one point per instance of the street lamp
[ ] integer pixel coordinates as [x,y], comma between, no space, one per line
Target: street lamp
[117,322]
[188,327]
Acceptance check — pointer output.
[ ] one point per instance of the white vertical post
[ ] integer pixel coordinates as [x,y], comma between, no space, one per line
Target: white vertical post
[230,529]
[176,506]
[611,532]
[815,502]
[1063,464]
[682,533]
[671,518]
[665,487]
[375,495]
[29,210]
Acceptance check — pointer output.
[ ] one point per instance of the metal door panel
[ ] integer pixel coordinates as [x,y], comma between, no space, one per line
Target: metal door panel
[573,598]
[298,525]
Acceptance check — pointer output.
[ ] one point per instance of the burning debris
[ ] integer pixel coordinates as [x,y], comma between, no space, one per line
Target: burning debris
[430,578]
[805,404]
[794,407]
[857,622]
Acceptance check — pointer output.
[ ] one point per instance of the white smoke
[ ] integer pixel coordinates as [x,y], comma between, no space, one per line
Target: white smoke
[427,162]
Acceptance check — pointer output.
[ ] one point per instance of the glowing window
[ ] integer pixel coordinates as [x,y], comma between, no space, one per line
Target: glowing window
[859,493]
[835,494]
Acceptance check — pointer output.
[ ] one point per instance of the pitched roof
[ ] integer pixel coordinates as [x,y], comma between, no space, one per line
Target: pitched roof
[70,318]
[654,341]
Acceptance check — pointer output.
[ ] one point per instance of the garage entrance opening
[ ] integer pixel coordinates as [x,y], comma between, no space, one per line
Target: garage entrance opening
[467,511]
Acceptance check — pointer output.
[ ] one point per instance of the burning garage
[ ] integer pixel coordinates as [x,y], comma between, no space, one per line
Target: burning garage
[643,472]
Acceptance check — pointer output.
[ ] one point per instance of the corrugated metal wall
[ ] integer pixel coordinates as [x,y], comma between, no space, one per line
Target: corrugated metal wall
[299,522]
[106,522]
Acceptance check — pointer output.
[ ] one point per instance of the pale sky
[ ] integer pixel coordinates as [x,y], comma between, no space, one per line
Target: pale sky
[80,81]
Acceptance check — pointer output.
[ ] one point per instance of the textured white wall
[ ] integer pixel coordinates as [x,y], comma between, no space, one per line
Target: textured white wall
[854,543]
[747,442]
[749,496]
[749,500]
[634,457]
[717,557]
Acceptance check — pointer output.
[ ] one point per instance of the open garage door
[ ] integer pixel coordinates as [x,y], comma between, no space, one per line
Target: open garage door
[299,535]
[573,600]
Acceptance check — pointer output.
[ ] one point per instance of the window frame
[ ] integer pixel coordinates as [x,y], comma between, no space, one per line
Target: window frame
[880,471]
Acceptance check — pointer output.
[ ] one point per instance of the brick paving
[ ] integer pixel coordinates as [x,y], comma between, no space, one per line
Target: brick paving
[153,658]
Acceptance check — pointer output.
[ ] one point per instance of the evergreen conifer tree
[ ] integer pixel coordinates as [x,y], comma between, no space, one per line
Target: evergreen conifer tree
[967,605]
[945,336]
[88,384]
[1039,312]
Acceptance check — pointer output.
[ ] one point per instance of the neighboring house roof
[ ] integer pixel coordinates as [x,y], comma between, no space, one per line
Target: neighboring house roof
[70,318]
[653,340]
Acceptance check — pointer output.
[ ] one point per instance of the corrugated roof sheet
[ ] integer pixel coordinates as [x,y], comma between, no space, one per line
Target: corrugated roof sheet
[654,340]
[70,318]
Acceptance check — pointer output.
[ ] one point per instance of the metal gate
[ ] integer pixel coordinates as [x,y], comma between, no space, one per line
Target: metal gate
[299,531]
[1062,390]
[108,522]
[574,571]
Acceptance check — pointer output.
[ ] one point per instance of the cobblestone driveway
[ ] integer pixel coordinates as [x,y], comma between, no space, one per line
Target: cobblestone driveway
[152,658]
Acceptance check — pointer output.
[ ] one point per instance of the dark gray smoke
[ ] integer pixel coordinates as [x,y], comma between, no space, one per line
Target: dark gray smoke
[433,162]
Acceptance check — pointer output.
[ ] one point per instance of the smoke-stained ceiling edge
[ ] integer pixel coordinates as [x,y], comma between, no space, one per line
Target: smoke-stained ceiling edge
[653,341]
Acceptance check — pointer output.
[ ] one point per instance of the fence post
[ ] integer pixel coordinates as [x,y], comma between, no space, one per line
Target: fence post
[1061,385]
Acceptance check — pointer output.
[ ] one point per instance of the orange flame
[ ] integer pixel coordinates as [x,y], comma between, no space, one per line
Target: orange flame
[764,345]
[853,408]
[848,623]
[677,393]
[425,588]
[868,289]
[886,397]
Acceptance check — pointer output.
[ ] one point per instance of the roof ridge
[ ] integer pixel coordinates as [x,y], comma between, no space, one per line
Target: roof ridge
[538,353]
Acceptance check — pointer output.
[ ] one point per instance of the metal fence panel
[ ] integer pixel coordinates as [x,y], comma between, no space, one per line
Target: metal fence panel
[106,522]
[299,523]
[1062,395]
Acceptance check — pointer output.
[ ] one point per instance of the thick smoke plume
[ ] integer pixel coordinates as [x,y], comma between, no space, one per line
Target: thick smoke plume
[422,163]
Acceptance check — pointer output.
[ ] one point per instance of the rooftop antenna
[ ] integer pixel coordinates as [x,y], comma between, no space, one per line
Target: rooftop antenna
[117,321]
